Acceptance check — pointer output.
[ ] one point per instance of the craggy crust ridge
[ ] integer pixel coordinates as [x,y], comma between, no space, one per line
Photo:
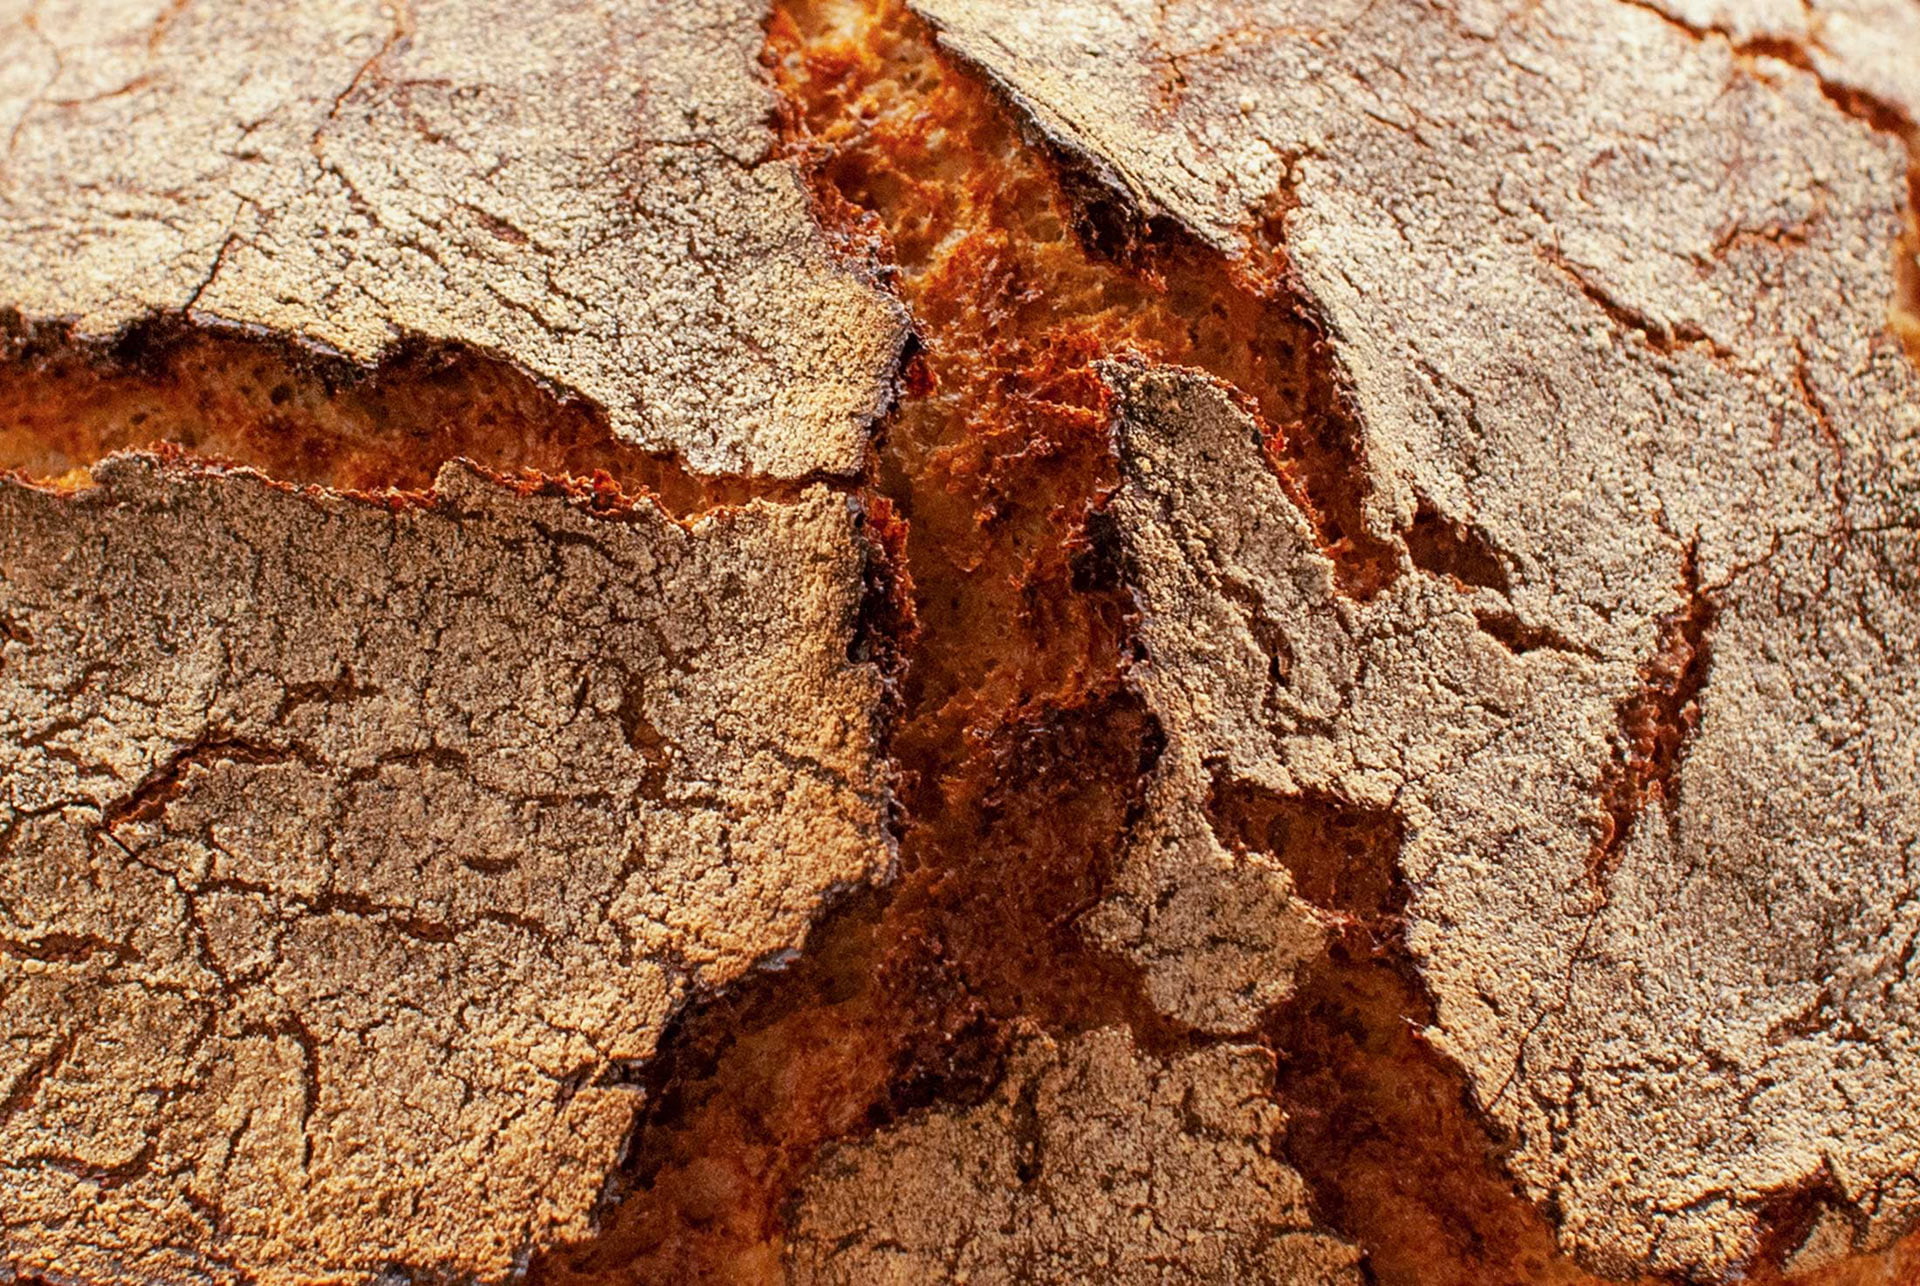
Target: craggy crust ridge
[584,189]
[355,852]
[1353,721]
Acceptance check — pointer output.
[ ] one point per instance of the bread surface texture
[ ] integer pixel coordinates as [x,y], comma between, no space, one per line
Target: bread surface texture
[935,640]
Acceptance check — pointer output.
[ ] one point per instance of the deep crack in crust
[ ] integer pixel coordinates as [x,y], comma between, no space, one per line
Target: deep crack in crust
[584,190]
[1707,387]
[302,416]
[894,160]
[1364,693]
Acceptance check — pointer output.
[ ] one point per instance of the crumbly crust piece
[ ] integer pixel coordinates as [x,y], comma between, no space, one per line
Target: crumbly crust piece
[355,850]
[1092,1157]
[586,190]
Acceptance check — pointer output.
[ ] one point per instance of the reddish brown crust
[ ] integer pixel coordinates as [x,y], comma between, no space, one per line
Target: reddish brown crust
[1019,746]
[1020,755]
[301,416]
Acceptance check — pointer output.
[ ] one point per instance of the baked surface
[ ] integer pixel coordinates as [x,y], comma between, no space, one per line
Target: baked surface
[864,641]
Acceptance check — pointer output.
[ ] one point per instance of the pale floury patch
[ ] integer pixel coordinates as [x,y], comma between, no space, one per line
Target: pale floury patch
[586,189]
[351,855]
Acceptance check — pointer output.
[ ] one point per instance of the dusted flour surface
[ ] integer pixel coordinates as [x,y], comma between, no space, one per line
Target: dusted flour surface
[1718,1010]
[1611,300]
[354,851]
[1861,49]
[1090,1158]
[1356,719]
[585,189]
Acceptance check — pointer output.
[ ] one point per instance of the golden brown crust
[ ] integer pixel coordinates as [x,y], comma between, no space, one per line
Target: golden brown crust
[1400,525]
[583,189]
[356,851]
[1650,410]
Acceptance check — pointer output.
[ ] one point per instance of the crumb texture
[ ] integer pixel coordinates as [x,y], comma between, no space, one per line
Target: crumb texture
[355,853]
[585,189]
[1091,1158]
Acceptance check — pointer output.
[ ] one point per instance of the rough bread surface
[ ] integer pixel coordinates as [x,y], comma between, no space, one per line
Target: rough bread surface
[1613,297]
[1357,719]
[586,189]
[353,852]
[1723,1012]
[1091,1157]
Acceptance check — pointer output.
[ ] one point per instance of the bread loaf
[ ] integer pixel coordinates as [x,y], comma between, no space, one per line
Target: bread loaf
[937,640]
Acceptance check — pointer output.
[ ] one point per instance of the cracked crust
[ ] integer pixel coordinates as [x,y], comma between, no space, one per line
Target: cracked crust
[586,190]
[1731,1002]
[1860,48]
[357,850]
[1090,1158]
[1863,53]
[1220,933]
[1621,318]
[373,843]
